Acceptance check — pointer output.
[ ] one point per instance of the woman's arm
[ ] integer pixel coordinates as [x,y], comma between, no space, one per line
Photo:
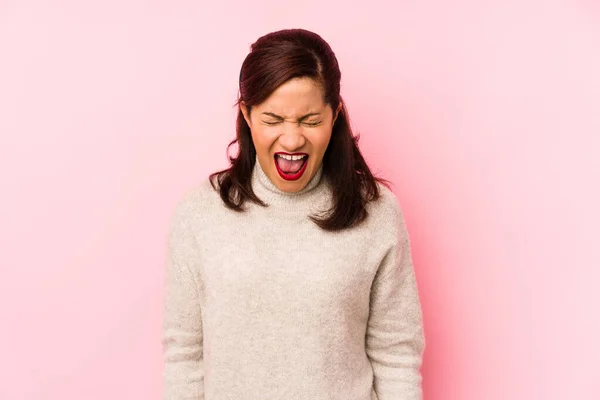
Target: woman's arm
[183,376]
[395,340]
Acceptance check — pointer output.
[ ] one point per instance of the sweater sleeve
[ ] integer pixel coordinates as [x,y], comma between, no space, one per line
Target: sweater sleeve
[182,339]
[395,340]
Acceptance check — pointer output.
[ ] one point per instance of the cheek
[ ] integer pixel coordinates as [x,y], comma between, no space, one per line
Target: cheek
[320,139]
[262,138]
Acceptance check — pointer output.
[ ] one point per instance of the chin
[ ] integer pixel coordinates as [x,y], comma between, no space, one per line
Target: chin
[292,186]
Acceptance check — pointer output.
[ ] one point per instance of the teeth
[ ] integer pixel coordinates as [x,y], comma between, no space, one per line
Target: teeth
[291,157]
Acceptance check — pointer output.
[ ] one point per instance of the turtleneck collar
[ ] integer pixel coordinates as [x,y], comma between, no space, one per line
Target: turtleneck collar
[306,200]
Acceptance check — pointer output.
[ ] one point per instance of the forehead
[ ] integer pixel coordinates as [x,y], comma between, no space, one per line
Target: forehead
[295,97]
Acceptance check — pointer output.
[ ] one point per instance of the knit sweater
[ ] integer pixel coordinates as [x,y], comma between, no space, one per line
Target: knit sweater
[265,305]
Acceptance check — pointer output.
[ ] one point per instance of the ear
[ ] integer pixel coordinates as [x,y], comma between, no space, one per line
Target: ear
[244,110]
[336,113]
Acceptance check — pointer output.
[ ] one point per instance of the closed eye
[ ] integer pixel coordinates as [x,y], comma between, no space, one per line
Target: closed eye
[272,123]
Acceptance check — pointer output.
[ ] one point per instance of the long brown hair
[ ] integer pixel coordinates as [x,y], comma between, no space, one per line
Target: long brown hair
[274,59]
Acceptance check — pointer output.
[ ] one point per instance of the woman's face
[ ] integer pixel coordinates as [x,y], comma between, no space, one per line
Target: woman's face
[295,123]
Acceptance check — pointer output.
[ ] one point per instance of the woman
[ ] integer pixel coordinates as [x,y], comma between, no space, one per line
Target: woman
[289,274]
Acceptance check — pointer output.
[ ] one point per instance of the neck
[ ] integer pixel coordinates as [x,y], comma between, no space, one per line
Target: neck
[308,199]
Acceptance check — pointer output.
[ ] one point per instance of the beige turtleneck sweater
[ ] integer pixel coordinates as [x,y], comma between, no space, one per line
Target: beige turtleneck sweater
[264,305]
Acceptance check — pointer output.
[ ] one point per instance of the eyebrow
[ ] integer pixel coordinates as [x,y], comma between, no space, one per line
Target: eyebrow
[299,119]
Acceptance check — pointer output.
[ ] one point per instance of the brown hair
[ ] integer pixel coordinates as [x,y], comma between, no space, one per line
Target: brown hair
[274,59]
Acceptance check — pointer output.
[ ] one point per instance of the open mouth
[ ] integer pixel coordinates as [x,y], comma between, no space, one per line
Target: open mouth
[291,167]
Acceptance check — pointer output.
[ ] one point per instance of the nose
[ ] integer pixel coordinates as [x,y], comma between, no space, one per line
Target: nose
[291,137]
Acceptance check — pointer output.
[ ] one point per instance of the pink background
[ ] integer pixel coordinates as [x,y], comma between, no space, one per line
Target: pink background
[484,114]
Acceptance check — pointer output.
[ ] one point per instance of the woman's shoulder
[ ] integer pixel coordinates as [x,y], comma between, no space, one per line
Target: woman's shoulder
[197,199]
[386,211]
[388,202]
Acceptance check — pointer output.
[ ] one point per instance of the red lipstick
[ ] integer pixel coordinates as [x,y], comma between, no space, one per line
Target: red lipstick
[295,176]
